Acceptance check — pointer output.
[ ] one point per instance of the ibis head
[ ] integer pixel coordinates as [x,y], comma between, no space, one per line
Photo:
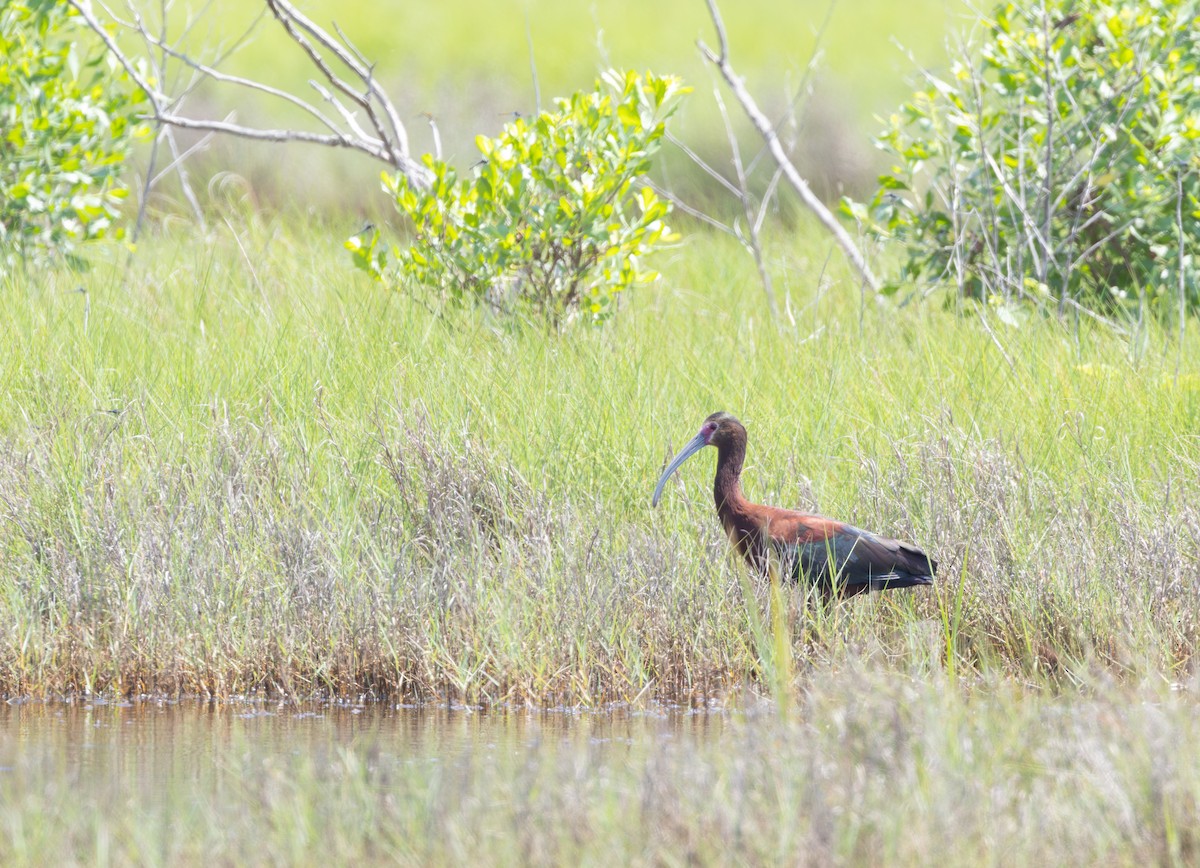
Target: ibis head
[718,429]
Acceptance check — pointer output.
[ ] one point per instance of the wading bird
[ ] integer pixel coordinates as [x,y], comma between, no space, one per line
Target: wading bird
[835,557]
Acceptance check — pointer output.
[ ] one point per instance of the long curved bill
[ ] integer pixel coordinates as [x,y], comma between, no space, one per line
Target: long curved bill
[694,445]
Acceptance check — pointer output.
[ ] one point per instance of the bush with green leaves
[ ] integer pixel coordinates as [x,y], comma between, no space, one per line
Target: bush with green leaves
[1059,160]
[67,122]
[553,222]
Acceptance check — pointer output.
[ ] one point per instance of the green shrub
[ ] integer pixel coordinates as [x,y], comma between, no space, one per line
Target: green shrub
[66,125]
[551,223]
[1059,160]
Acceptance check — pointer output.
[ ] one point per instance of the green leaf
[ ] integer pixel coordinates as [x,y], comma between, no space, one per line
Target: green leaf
[978,147]
[551,216]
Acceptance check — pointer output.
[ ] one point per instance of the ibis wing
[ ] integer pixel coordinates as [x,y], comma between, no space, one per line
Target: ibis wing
[855,559]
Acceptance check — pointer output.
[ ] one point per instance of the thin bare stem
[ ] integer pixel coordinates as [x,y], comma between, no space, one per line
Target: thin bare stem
[987,327]
[351,47]
[533,72]
[689,210]
[437,136]
[703,165]
[1048,169]
[146,185]
[178,163]
[768,194]
[1182,282]
[751,240]
[802,87]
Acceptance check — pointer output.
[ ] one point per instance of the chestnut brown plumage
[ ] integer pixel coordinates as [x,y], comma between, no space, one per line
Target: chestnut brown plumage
[832,555]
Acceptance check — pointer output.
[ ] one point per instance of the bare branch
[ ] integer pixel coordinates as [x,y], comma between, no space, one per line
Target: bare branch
[802,87]
[347,116]
[237,80]
[397,148]
[388,142]
[358,55]
[291,18]
[765,129]
[987,327]
[144,198]
[722,40]
[224,50]
[1100,318]
[332,140]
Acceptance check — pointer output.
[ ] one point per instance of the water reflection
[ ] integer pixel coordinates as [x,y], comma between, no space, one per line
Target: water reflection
[152,745]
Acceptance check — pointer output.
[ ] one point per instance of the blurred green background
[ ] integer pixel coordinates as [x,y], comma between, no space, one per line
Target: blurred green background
[468,63]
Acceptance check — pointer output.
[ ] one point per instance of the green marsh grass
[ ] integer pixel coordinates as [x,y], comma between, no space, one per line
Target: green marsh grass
[234,466]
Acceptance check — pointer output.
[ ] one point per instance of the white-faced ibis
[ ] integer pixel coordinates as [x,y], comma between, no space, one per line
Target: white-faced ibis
[832,555]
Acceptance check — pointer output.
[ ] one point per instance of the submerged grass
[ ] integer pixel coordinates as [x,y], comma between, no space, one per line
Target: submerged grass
[235,467]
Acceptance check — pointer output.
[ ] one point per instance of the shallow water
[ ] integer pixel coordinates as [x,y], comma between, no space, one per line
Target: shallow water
[153,745]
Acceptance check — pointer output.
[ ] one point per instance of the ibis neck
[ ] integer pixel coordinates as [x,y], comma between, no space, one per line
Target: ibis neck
[727,487]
